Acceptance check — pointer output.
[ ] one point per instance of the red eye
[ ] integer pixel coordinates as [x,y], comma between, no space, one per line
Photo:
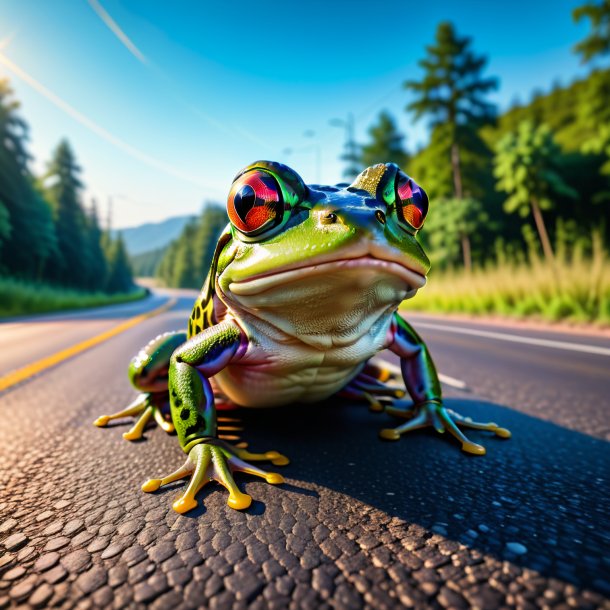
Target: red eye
[411,201]
[255,202]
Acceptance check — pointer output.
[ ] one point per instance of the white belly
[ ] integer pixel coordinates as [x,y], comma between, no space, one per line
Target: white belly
[278,369]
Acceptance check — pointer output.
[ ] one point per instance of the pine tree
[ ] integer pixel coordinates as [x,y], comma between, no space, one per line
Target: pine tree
[32,238]
[185,267]
[63,191]
[5,224]
[97,264]
[119,270]
[212,221]
[452,94]
[386,143]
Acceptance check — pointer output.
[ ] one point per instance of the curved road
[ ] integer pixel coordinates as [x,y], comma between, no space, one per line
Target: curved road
[360,523]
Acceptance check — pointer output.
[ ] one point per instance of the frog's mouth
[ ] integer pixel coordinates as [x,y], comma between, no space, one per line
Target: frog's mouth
[386,263]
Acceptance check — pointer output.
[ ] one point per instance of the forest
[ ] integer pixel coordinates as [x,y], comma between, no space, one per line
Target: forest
[53,253]
[519,219]
[519,214]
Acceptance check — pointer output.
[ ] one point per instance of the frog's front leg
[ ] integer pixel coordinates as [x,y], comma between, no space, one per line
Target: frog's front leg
[144,407]
[148,374]
[423,385]
[194,416]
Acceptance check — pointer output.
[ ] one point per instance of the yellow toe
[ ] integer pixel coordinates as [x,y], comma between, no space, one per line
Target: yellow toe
[502,432]
[282,460]
[151,485]
[389,434]
[132,436]
[239,501]
[274,478]
[473,448]
[183,505]
[102,421]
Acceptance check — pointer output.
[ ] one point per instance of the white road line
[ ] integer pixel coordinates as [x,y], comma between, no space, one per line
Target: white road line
[451,381]
[574,347]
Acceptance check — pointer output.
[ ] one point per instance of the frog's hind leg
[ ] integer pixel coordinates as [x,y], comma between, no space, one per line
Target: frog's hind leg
[382,371]
[370,386]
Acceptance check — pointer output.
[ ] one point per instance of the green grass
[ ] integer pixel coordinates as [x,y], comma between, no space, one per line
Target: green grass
[19,298]
[575,289]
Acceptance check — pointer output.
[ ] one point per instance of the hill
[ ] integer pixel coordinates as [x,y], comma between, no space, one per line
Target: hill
[153,235]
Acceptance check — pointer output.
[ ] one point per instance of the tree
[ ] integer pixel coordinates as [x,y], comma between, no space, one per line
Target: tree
[526,169]
[96,264]
[119,277]
[63,191]
[28,214]
[187,260]
[597,43]
[452,94]
[594,105]
[385,144]
[448,220]
[185,267]
[5,223]
[212,221]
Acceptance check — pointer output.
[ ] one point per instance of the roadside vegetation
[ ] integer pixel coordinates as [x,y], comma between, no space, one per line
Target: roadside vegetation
[574,288]
[19,297]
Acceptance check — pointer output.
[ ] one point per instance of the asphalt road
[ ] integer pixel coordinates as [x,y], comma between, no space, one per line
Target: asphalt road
[359,523]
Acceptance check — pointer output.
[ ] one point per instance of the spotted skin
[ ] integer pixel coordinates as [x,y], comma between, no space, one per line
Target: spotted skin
[191,395]
[202,316]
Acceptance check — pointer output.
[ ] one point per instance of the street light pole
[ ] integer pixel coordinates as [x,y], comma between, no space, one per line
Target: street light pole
[350,146]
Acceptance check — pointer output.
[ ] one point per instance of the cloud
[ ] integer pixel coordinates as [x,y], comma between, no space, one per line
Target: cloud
[114,27]
[98,130]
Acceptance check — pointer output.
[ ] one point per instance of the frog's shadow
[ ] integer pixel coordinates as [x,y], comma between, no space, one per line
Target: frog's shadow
[535,489]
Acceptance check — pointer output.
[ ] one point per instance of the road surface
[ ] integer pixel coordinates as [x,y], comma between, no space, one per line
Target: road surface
[361,523]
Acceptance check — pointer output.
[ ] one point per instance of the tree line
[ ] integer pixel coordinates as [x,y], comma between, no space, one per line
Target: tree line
[186,261]
[548,159]
[46,233]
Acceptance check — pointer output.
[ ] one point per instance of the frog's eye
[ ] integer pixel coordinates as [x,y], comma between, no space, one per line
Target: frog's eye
[411,201]
[255,203]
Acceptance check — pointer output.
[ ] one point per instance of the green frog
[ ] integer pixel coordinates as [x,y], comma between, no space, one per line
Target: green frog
[302,294]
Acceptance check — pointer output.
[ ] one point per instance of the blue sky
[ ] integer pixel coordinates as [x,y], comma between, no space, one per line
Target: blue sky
[164,102]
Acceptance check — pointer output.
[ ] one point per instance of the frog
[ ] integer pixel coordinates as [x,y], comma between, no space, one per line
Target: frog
[302,296]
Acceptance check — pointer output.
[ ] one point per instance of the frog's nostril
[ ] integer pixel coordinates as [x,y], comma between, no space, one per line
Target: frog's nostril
[380,216]
[329,218]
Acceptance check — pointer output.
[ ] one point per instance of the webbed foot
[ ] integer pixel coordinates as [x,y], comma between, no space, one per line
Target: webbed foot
[143,407]
[217,461]
[433,413]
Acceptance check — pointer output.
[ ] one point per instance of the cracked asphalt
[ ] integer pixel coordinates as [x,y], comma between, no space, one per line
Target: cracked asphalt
[360,523]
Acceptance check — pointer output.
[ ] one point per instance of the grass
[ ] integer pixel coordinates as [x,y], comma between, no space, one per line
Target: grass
[575,289]
[18,298]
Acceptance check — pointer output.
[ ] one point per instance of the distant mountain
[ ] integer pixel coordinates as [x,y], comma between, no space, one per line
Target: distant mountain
[153,235]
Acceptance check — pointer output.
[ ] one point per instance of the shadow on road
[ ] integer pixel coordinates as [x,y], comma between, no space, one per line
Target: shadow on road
[539,499]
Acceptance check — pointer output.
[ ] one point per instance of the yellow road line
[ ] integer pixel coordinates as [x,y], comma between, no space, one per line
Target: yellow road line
[29,370]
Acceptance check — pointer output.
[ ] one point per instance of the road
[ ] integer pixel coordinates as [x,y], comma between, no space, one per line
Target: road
[360,523]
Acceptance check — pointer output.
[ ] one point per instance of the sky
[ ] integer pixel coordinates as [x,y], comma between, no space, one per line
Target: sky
[163,102]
